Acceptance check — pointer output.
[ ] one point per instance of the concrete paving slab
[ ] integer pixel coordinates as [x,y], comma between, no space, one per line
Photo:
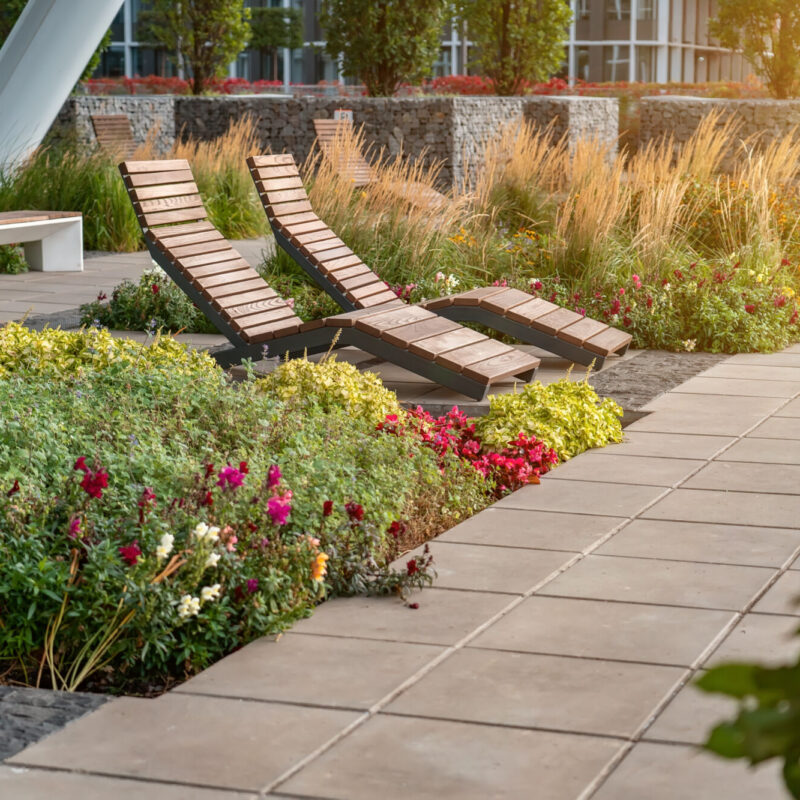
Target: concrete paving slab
[540,691]
[541,530]
[690,716]
[20,783]
[667,772]
[783,597]
[720,404]
[606,630]
[591,497]
[699,422]
[753,372]
[268,739]
[719,544]
[778,428]
[764,451]
[668,445]
[357,672]
[649,580]
[396,758]
[484,568]
[782,359]
[737,476]
[765,638]
[791,409]
[751,508]
[444,616]
[738,386]
[633,470]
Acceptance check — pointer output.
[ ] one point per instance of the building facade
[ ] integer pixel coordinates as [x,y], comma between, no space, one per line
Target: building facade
[609,40]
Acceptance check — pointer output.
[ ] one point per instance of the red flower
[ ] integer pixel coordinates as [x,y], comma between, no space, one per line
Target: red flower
[749,308]
[678,274]
[396,528]
[780,301]
[794,317]
[208,500]
[155,288]
[538,285]
[101,296]
[411,567]
[785,262]
[649,301]
[209,470]
[130,553]
[327,508]
[93,483]
[626,321]
[81,464]
[354,511]
[243,468]
[147,500]
[13,490]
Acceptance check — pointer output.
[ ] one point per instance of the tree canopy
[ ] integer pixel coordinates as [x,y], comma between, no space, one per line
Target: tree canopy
[768,34]
[207,34]
[384,43]
[517,40]
[274,28]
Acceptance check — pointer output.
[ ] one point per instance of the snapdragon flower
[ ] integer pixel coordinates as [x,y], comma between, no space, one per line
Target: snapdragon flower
[188,607]
[165,546]
[212,560]
[209,593]
[206,533]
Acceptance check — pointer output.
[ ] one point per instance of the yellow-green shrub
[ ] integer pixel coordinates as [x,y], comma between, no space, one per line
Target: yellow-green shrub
[333,384]
[567,416]
[64,353]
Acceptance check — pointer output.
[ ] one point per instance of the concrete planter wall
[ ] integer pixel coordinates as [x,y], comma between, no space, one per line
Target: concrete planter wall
[681,116]
[446,129]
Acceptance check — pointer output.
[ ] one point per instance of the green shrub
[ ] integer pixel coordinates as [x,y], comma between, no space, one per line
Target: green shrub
[567,416]
[12,260]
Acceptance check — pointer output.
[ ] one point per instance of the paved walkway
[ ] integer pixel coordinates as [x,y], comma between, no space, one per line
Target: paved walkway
[550,661]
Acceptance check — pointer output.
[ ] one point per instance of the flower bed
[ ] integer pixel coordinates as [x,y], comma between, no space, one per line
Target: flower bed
[155,516]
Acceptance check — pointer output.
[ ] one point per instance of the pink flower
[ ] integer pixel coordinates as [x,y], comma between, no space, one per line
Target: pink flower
[230,545]
[621,291]
[279,508]
[273,476]
[749,308]
[636,281]
[75,528]
[130,553]
[231,477]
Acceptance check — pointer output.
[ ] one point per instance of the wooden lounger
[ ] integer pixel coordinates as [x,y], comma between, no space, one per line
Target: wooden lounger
[354,167]
[182,240]
[353,285]
[113,133]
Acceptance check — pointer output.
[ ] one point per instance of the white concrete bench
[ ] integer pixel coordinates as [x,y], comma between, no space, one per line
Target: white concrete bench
[53,240]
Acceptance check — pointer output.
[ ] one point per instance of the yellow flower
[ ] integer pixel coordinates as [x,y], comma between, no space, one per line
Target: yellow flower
[320,568]
[788,291]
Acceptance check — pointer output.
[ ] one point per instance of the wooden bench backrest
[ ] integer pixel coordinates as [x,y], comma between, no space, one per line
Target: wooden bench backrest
[289,211]
[113,133]
[350,164]
[170,211]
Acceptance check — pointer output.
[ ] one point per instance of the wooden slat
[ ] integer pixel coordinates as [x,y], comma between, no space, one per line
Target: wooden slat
[333,255]
[582,330]
[312,325]
[337,264]
[301,223]
[261,293]
[353,282]
[282,209]
[342,275]
[288,196]
[216,269]
[382,298]
[134,167]
[158,178]
[171,203]
[444,342]
[320,249]
[502,366]
[377,322]
[270,159]
[439,302]
[502,302]
[207,281]
[226,289]
[211,246]
[406,334]
[364,292]
[610,341]
[474,296]
[228,254]
[527,312]
[320,235]
[553,322]
[281,184]
[267,317]
[182,215]
[253,307]
[164,190]
[20,217]
[459,359]
[167,235]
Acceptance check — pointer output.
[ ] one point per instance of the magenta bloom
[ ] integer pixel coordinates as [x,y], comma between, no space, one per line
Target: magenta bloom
[273,476]
[93,483]
[279,508]
[327,508]
[75,528]
[230,476]
[252,585]
[130,553]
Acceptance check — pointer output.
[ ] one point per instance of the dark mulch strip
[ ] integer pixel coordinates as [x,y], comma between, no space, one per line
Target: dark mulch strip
[27,715]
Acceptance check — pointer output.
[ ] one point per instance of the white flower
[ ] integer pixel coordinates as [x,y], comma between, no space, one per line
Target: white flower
[165,546]
[213,559]
[188,607]
[689,345]
[208,593]
[451,281]
[204,533]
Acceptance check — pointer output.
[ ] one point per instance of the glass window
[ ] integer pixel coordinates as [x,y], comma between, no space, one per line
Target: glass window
[646,9]
[616,61]
[582,63]
[646,64]
[112,63]
[583,11]
[442,65]
[118,27]
[618,9]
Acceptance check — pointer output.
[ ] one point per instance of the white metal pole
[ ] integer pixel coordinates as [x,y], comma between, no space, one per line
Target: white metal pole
[40,63]
[127,28]
[632,49]
[571,65]
[287,59]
